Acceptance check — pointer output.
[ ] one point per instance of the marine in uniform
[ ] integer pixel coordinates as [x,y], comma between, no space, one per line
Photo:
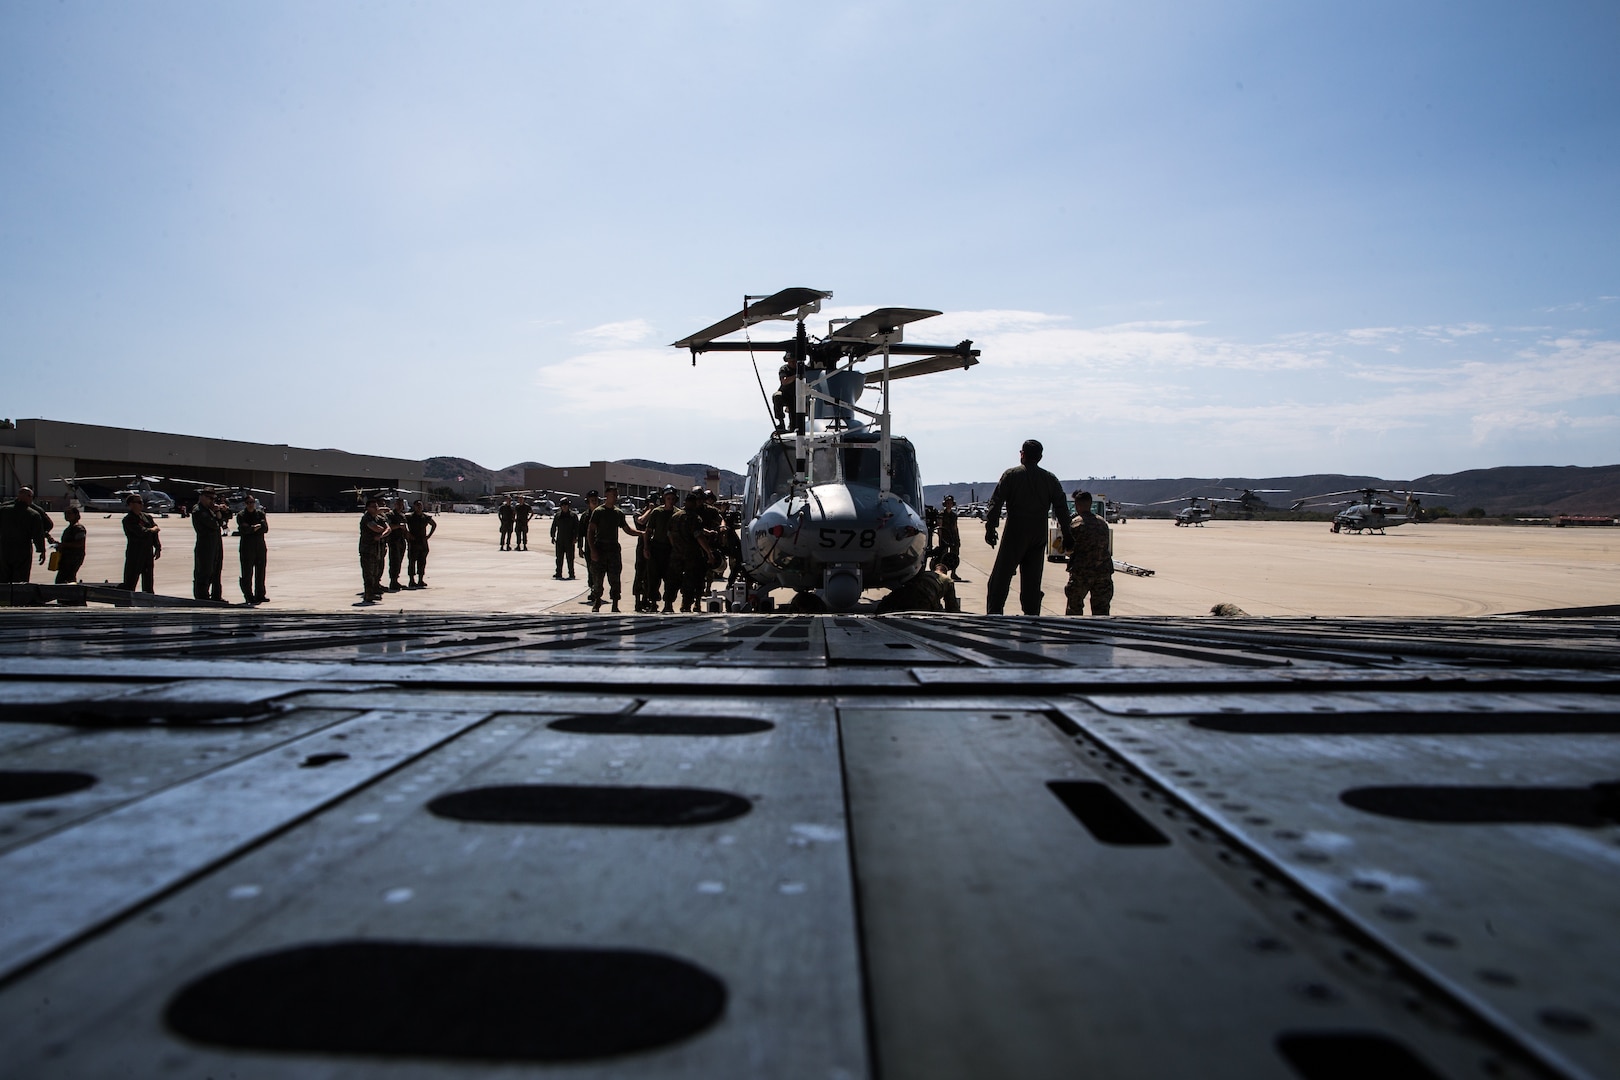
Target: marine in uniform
[691,550]
[373,549]
[23,530]
[71,548]
[143,545]
[927,590]
[507,515]
[783,400]
[1091,564]
[593,579]
[564,535]
[419,525]
[398,541]
[602,537]
[660,550]
[949,544]
[208,559]
[520,523]
[1028,492]
[251,525]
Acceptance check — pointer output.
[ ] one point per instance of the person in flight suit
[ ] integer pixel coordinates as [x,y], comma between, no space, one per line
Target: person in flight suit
[602,538]
[1028,492]
[398,540]
[419,525]
[660,549]
[251,525]
[373,549]
[949,543]
[209,555]
[520,523]
[783,400]
[928,590]
[564,535]
[142,545]
[593,581]
[508,516]
[71,547]
[1091,564]
[24,528]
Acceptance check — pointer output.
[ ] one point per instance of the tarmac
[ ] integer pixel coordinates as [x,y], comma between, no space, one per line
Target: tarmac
[1266,568]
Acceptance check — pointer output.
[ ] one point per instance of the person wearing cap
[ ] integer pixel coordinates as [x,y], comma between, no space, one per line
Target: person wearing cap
[142,546]
[1091,564]
[564,534]
[657,521]
[949,544]
[419,525]
[209,555]
[1029,493]
[602,538]
[251,525]
[373,549]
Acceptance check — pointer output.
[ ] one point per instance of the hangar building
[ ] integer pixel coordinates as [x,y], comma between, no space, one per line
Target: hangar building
[34,453]
[630,479]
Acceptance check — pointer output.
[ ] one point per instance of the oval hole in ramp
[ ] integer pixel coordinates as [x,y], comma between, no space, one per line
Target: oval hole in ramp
[636,724]
[477,1002]
[567,804]
[25,785]
[1587,808]
[1341,1055]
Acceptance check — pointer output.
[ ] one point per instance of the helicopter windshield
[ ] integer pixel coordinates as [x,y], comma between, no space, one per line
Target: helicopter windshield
[851,463]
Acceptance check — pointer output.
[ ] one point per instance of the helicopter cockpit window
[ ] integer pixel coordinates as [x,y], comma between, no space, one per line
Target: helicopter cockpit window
[775,473]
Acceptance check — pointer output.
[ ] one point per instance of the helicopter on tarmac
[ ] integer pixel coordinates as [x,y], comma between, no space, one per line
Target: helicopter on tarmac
[1249,502]
[386,494]
[155,502]
[833,501]
[1371,513]
[1199,509]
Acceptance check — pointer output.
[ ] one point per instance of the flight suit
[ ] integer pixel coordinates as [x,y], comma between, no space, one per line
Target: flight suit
[22,540]
[209,558]
[564,534]
[398,541]
[419,525]
[1091,567]
[950,540]
[251,525]
[71,548]
[507,514]
[142,548]
[373,553]
[520,525]
[1028,494]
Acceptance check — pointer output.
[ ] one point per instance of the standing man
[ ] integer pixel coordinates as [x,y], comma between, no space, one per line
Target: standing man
[593,579]
[520,523]
[209,560]
[602,538]
[950,538]
[398,539]
[251,525]
[142,545]
[564,535]
[23,529]
[507,514]
[72,548]
[1091,566]
[692,550]
[1028,492]
[373,549]
[660,548]
[420,525]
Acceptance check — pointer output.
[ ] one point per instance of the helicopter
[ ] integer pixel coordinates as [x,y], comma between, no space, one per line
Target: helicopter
[155,501]
[1370,513]
[1199,509]
[386,495]
[833,500]
[1249,500]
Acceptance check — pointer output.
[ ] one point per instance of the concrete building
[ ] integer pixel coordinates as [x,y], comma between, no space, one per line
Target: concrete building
[631,479]
[34,453]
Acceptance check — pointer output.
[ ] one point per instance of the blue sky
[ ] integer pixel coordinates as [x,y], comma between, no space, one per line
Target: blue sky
[1190,238]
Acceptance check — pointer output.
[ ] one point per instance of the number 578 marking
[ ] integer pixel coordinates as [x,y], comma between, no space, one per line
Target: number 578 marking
[829,538]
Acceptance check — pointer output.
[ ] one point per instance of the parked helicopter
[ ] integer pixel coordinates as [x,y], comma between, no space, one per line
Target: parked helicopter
[386,494]
[1249,500]
[1199,509]
[1370,513]
[156,502]
[833,500]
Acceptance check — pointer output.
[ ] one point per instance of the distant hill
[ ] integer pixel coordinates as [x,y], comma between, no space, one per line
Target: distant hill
[1528,490]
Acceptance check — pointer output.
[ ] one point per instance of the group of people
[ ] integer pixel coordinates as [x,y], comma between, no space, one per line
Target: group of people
[392,539]
[514,518]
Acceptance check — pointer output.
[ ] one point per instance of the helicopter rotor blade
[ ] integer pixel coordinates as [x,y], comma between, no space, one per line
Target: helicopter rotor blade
[942,362]
[775,306]
[881,321]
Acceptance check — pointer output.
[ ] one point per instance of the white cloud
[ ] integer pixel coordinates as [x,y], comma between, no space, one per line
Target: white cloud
[611,334]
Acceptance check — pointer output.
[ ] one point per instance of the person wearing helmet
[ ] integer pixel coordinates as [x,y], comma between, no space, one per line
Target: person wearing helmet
[657,522]
[950,537]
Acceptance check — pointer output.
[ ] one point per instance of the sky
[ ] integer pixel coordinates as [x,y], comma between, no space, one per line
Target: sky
[1190,239]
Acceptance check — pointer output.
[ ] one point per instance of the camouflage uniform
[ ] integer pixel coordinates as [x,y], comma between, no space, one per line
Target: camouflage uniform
[398,541]
[419,525]
[661,579]
[689,563]
[1091,566]
[251,525]
[373,553]
[929,590]
[603,535]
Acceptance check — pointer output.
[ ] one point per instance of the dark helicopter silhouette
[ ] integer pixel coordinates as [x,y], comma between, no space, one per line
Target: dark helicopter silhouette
[1370,513]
